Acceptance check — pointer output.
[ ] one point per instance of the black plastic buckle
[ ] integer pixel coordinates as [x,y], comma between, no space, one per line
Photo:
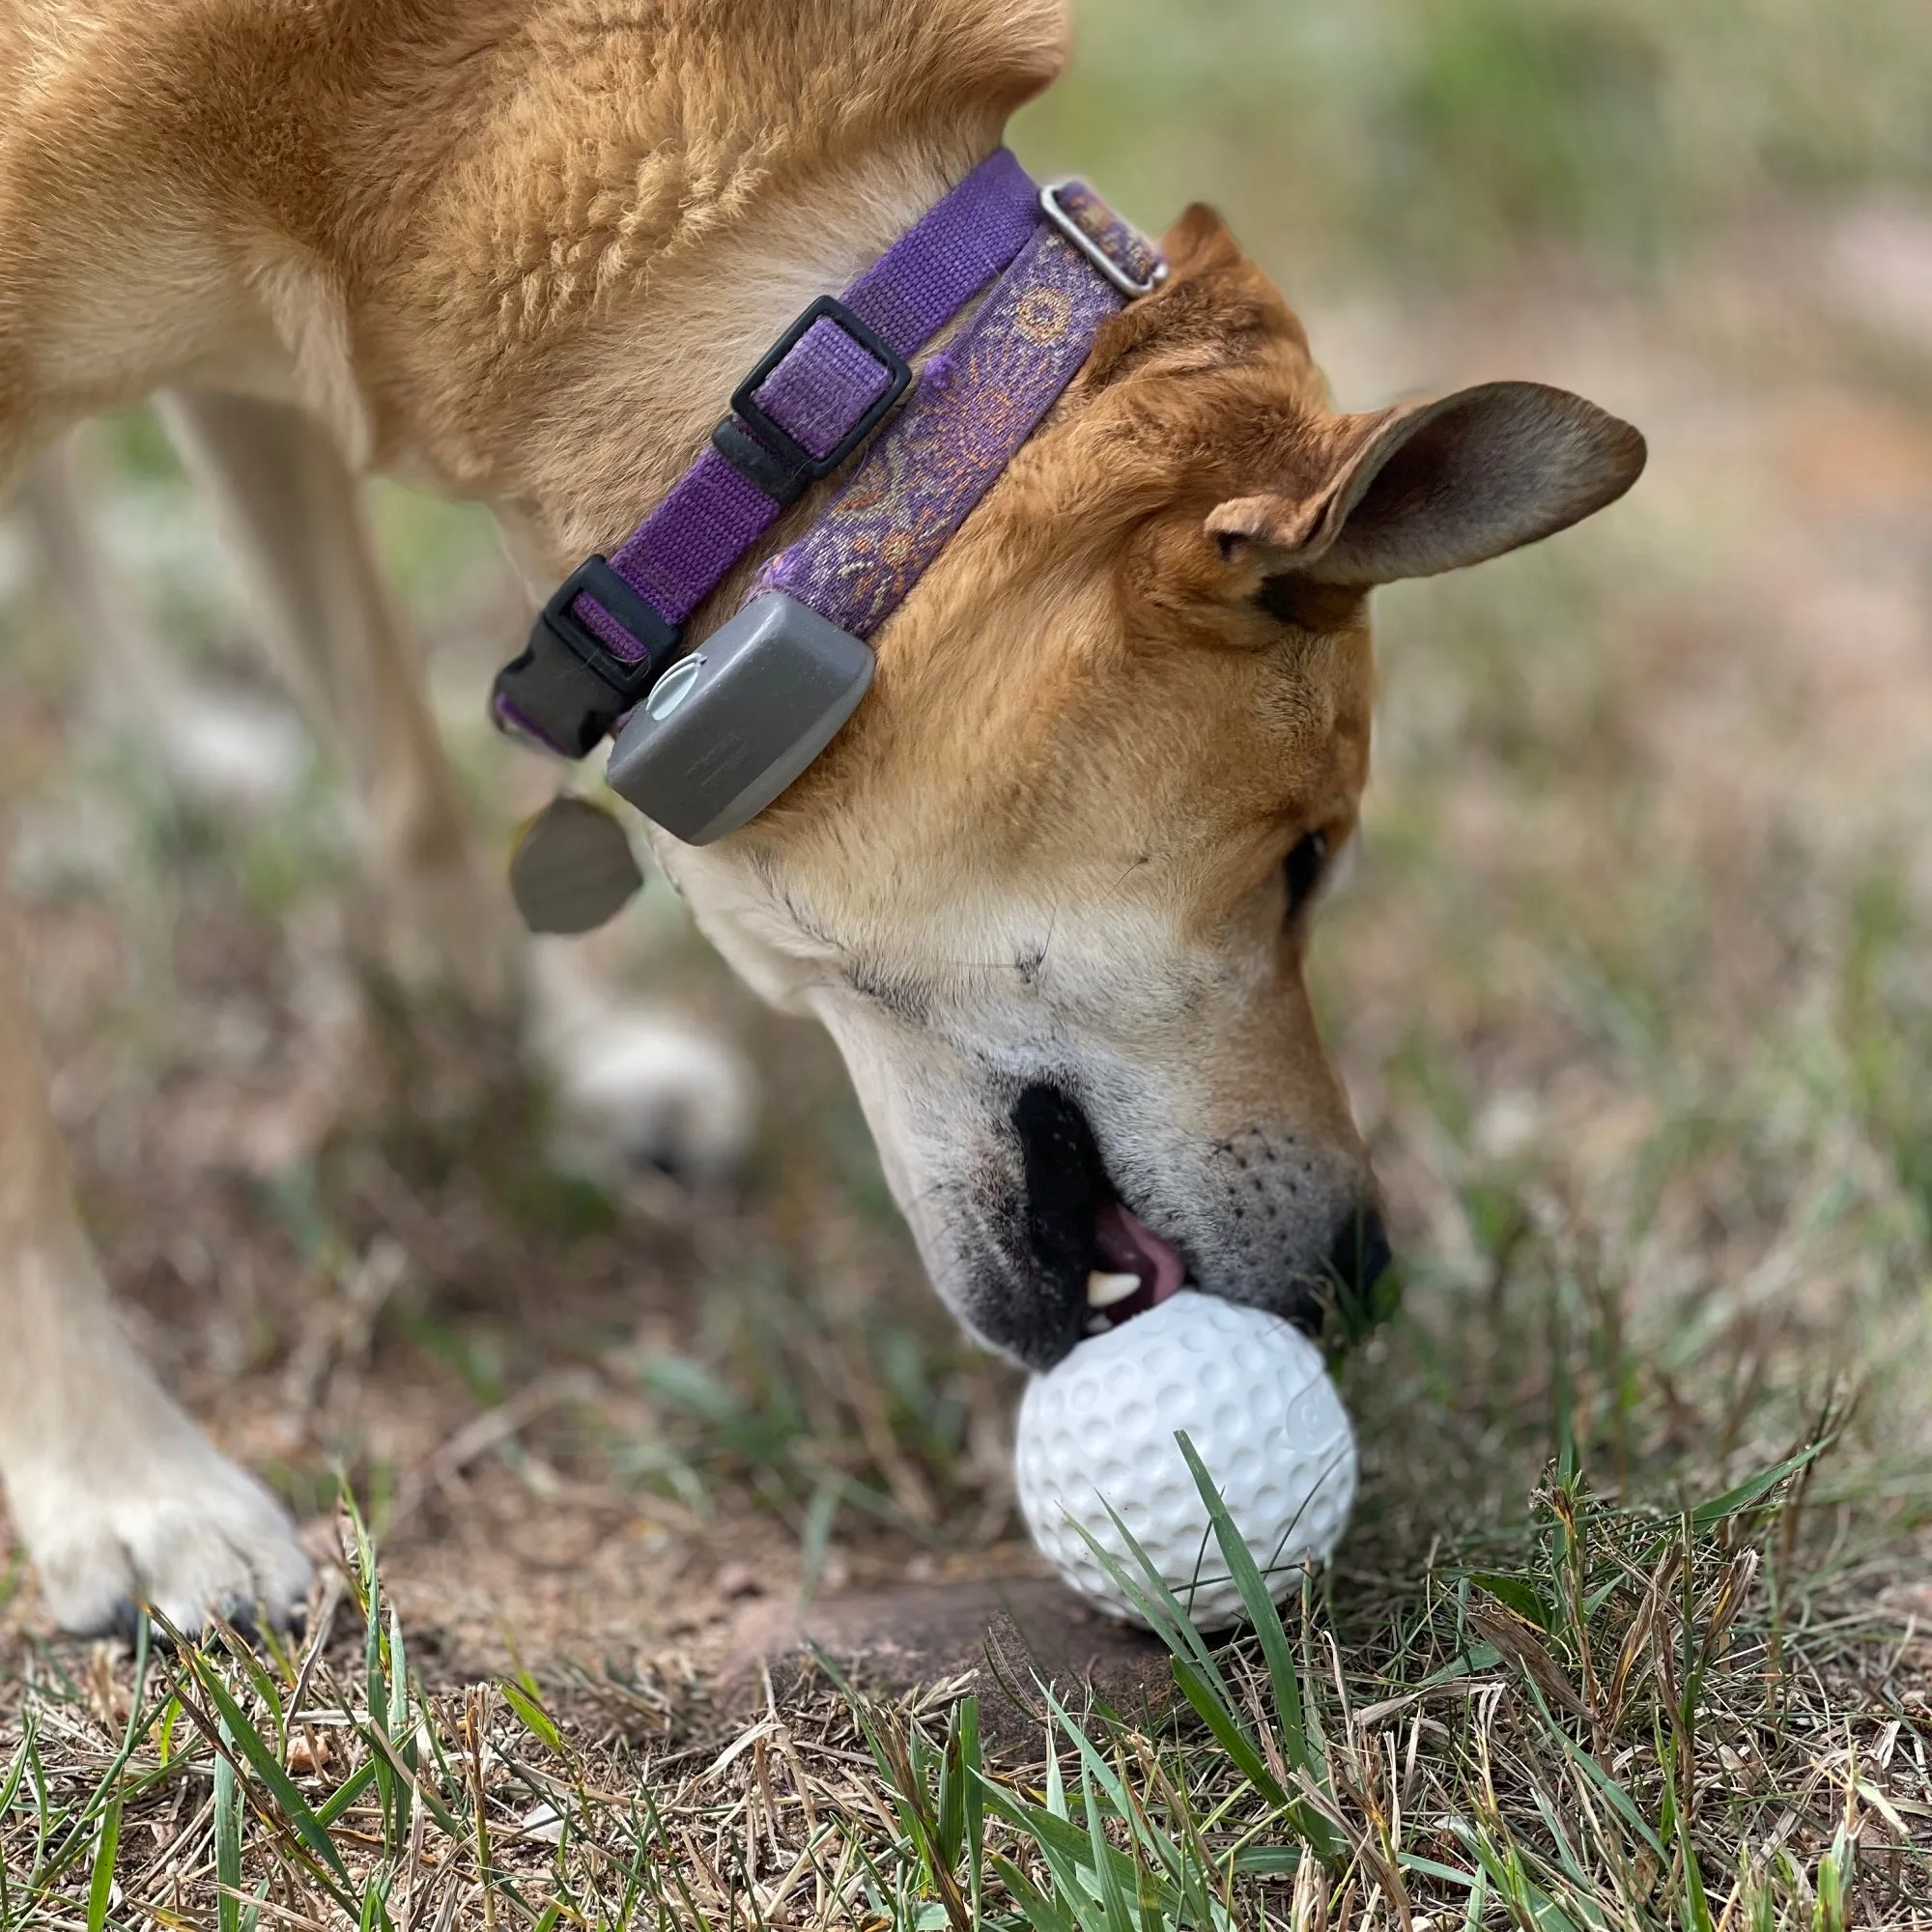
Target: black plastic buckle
[769,455]
[568,686]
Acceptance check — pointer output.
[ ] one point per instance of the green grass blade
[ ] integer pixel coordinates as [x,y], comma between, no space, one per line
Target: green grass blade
[1151,1598]
[1071,1886]
[397,1724]
[1566,1852]
[375,1683]
[1479,1901]
[1519,1595]
[1228,1734]
[43,1800]
[1530,1905]
[1697,1907]
[1269,1860]
[1089,1752]
[10,1790]
[7,1793]
[107,1848]
[227,1842]
[949,1821]
[1614,1795]
[1113,1900]
[261,1679]
[975,1800]
[1056,1789]
[1034,1821]
[1283,1677]
[1428,1869]
[535,1718]
[815,1538]
[408,1783]
[1094,1765]
[374,1901]
[1758,1487]
[346,1793]
[1464,1664]
[261,1760]
[1043,1914]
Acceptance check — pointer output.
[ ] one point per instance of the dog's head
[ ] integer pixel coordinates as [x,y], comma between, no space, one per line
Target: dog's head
[1051,890]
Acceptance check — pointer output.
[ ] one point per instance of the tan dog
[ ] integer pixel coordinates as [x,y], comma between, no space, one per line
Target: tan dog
[1050,889]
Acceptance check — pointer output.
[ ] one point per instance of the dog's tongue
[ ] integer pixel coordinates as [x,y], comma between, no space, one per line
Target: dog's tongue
[1129,1247]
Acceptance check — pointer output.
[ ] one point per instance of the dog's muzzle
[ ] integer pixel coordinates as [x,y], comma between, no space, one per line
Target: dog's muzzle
[1091,1262]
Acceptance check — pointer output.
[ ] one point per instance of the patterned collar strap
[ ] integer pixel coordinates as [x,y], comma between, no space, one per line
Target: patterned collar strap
[612,633]
[977,401]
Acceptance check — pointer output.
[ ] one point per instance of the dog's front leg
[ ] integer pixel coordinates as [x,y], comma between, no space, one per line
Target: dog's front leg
[636,1088]
[119,1497]
[291,513]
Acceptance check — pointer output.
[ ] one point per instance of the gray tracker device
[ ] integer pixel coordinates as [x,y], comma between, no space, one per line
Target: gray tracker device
[727,728]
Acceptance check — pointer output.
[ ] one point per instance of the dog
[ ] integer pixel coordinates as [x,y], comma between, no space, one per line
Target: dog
[1049,890]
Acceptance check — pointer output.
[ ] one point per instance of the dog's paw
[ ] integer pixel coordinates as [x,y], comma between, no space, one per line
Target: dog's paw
[639,1091]
[188,1532]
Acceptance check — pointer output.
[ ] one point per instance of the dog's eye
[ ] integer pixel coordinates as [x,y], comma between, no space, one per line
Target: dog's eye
[1310,607]
[1304,869]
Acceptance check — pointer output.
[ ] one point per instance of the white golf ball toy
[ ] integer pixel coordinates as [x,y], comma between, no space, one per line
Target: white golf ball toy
[1254,1399]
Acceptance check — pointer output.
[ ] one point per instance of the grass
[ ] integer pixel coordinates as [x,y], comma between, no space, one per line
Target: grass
[1454,140]
[1631,993]
[1637,1719]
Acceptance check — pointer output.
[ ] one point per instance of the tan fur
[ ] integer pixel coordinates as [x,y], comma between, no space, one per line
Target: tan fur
[524,252]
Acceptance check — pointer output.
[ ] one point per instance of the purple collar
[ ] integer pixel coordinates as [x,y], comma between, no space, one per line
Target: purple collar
[1065,264]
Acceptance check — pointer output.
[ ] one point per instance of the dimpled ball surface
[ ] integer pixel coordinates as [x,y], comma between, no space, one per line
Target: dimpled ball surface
[1256,1402]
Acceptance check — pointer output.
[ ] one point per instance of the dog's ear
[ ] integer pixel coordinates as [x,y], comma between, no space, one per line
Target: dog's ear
[1432,486]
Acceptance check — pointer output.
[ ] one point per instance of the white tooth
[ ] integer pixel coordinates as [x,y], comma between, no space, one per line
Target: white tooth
[1104,1290]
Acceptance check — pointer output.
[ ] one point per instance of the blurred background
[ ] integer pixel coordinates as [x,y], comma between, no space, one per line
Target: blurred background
[1632,986]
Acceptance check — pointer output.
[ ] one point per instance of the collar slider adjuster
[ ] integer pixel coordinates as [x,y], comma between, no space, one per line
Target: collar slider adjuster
[842,384]
[1121,255]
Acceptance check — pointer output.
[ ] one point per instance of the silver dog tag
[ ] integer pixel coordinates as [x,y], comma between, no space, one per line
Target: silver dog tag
[727,728]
